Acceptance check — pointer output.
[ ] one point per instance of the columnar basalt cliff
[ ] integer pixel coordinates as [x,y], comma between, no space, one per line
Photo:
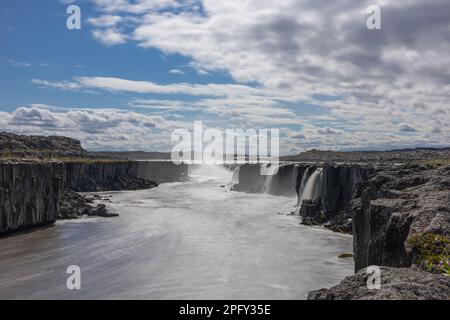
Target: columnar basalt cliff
[36,193]
[121,175]
[29,194]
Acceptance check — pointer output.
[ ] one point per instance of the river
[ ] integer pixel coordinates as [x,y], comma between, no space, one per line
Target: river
[187,240]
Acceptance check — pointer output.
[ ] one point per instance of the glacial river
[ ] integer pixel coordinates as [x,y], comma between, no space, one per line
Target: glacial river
[190,240]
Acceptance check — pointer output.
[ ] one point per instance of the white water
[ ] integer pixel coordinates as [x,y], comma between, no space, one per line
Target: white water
[313,184]
[190,240]
[235,177]
[270,171]
[302,186]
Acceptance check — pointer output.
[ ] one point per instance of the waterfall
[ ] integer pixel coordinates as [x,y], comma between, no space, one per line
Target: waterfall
[302,186]
[235,178]
[313,185]
[310,185]
[271,171]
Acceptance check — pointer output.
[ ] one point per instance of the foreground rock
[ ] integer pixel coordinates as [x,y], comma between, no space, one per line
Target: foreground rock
[401,221]
[396,205]
[396,284]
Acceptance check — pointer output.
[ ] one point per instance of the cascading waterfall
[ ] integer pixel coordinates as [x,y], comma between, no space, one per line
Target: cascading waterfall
[302,186]
[271,171]
[312,186]
[235,178]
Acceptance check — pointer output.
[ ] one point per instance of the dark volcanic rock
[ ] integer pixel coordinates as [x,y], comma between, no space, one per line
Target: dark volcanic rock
[29,194]
[74,206]
[41,146]
[384,220]
[340,184]
[92,176]
[310,212]
[396,284]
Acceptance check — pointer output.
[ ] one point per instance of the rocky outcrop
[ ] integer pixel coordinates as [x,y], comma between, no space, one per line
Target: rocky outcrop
[39,146]
[74,205]
[395,205]
[30,193]
[396,284]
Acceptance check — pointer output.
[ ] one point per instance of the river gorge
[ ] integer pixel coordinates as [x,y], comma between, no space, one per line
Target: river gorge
[182,240]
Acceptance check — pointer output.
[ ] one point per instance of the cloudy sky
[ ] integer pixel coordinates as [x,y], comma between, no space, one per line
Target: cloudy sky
[138,69]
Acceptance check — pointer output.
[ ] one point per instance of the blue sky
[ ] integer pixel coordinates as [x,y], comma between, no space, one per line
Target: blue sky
[139,69]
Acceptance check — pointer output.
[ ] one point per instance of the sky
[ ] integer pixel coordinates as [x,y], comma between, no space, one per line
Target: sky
[139,69]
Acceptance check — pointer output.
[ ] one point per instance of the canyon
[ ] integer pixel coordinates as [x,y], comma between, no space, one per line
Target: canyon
[389,207]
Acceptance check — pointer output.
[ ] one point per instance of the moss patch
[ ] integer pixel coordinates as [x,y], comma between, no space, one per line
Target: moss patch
[431,252]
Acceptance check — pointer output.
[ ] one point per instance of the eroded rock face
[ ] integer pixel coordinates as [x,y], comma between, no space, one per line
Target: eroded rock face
[29,194]
[121,175]
[396,284]
[394,205]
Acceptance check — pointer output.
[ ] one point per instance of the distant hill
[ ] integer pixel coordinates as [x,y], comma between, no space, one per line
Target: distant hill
[13,145]
[400,155]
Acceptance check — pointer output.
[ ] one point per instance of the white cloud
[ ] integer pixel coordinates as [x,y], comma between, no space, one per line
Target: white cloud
[105,20]
[109,37]
[176,71]
[14,63]
[359,88]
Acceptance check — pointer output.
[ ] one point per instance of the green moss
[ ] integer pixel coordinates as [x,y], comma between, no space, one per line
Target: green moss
[431,251]
[435,163]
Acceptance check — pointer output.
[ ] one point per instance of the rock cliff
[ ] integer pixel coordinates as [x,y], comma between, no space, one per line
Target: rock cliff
[395,205]
[401,221]
[338,186]
[29,194]
[91,176]
[36,193]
